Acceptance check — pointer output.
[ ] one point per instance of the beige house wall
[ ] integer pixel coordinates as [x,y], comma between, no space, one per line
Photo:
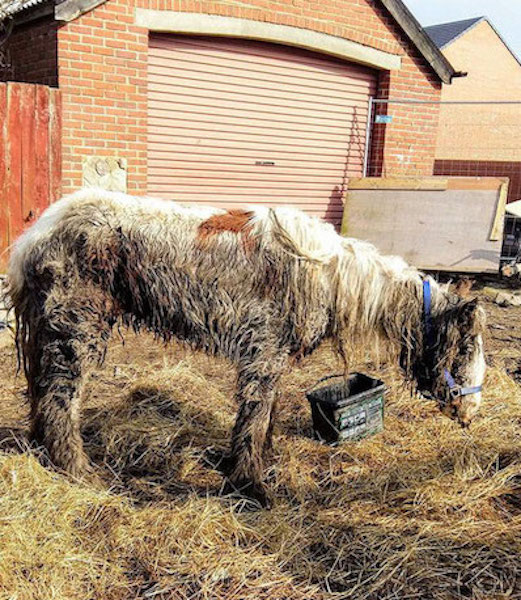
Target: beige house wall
[488,132]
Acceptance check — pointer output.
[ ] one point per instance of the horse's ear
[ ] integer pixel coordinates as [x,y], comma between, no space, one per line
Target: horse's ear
[445,287]
[463,286]
[471,316]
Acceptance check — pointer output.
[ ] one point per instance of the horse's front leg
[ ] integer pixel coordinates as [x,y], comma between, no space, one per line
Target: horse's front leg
[251,436]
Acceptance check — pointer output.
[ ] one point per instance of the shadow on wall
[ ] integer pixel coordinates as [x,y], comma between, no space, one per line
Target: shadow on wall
[375,160]
[31,54]
[353,167]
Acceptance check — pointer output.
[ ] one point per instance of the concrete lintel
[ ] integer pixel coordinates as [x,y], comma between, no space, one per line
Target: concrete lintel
[416,33]
[199,24]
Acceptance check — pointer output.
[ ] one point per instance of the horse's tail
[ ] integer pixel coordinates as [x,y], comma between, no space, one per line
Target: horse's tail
[17,296]
[23,295]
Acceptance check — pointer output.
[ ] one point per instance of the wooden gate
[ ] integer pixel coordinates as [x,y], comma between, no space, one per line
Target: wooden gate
[30,157]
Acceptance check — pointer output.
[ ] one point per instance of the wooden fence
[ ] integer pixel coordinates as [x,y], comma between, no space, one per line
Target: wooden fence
[30,157]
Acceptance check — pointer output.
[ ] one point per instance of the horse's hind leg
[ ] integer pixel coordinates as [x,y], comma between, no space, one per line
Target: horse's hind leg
[251,436]
[67,339]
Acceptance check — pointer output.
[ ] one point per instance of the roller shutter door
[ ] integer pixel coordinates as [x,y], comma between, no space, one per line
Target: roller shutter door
[234,122]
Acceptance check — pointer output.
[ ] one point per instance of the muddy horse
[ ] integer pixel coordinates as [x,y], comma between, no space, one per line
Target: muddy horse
[261,287]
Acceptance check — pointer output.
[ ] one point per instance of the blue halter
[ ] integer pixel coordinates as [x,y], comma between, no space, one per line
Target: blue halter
[455,390]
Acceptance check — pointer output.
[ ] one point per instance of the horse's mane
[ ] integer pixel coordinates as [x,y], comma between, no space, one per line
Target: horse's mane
[376,297]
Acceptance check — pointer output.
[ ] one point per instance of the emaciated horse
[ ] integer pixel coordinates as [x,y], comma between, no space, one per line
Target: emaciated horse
[258,286]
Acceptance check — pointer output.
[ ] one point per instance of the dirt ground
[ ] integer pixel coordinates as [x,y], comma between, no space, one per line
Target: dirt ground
[423,510]
[504,339]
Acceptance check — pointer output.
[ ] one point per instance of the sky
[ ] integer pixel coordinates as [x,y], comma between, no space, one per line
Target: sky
[505,15]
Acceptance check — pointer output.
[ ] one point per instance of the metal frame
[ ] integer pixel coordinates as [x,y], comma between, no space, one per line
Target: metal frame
[512,226]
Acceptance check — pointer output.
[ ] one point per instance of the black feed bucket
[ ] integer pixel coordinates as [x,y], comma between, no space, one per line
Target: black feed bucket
[352,408]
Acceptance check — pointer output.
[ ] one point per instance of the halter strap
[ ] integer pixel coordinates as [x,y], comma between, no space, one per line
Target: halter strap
[427,317]
[455,389]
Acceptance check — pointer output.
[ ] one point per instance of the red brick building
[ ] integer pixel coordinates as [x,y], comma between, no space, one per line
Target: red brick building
[487,134]
[230,101]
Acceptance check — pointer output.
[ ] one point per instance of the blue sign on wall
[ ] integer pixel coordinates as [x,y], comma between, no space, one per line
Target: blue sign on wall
[383,119]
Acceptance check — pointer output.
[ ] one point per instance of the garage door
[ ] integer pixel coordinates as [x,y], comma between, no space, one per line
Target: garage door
[234,122]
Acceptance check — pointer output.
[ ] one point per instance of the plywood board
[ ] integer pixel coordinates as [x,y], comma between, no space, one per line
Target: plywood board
[449,230]
[398,183]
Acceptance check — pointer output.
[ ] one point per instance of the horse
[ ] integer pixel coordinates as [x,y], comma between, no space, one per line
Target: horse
[260,286]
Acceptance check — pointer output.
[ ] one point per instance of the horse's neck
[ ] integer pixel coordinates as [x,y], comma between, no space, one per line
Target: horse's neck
[403,312]
[388,295]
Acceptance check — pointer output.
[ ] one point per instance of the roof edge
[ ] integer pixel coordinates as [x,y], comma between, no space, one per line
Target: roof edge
[68,10]
[32,13]
[477,21]
[415,32]
[505,43]
[494,29]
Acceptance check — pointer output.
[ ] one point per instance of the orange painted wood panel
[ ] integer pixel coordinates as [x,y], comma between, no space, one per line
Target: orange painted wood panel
[14,165]
[29,167]
[42,150]
[4,156]
[55,150]
[30,157]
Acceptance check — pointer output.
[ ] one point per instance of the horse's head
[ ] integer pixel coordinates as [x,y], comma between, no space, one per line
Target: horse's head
[450,366]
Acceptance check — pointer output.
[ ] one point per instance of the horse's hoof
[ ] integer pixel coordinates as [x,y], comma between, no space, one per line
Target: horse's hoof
[254,495]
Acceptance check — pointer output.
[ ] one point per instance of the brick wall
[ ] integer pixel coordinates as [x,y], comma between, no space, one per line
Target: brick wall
[406,145]
[102,73]
[484,168]
[32,54]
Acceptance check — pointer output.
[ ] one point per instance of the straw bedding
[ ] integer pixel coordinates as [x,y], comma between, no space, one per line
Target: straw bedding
[423,510]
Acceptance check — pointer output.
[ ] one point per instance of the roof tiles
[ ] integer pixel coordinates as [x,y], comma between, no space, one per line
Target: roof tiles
[445,33]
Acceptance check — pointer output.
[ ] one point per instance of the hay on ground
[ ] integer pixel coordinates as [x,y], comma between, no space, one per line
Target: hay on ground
[424,510]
